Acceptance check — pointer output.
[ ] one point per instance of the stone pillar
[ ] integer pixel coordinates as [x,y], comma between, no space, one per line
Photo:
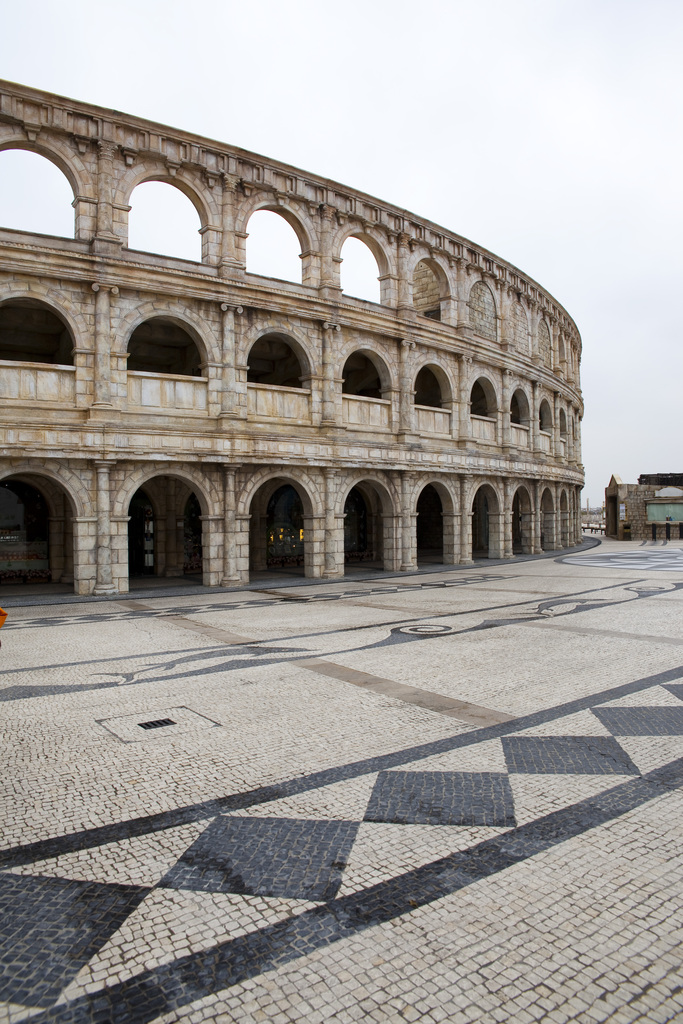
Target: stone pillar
[465,525]
[85,554]
[314,546]
[230,264]
[103,581]
[231,575]
[462,295]
[175,539]
[464,363]
[406,410]
[330,336]
[230,408]
[102,368]
[330,284]
[405,298]
[508,492]
[451,538]
[507,377]
[556,425]
[535,403]
[106,241]
[334,528]
[537,518]
[408,522]
[212,549]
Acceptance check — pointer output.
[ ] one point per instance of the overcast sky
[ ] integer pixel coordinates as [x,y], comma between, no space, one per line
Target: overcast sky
[548,131]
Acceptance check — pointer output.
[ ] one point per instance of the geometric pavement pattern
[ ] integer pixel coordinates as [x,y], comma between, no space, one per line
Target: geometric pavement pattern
[62,923]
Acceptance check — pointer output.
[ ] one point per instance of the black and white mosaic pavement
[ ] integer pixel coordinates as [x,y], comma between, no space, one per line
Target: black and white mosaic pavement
[250,882]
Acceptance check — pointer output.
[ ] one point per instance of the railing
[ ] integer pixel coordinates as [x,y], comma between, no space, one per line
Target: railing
[544,441]
[519,435]
[432,421]
[168,391]
[358,411]
[562,450]
[37,382]
[483,428]
[267,401]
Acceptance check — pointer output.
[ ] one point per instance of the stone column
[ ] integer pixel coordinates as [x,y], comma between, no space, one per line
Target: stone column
[406,409]
[174,543]
[556,425]
[330,337]
[462,290]
[106,240]
[465,525]
[506,518]
[103,580]
[507,377]
[102,368]
[334,536]
[230,264]
[229,392]
[230,574]
[405,305]
[408,520]
[330,285]
[464,363]
[537,518]
[535,402]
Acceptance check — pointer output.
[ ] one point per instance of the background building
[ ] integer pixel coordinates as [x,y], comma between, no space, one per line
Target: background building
[159,416]
[652,509]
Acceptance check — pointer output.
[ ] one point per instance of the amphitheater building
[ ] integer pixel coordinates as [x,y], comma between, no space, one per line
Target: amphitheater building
[160,416]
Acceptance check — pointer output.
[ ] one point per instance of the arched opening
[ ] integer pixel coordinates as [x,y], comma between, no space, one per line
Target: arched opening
[160,345]
[359,271]
[272,360]
[522,523]
[429,527]
[164,532]
[36,533]
[358,534]
[32,333]
[482,399]
[563,424]
[519,409]
[273,247]
[548,542]
[361,377]
[34,195]
[545,417]
[164,221]
[277,530]
[486,534]
[428,389]
[426,291]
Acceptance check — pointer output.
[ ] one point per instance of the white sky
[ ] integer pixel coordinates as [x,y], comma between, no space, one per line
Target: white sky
[549,131]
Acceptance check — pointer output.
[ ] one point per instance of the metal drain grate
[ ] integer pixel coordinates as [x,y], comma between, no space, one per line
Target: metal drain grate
[159,723]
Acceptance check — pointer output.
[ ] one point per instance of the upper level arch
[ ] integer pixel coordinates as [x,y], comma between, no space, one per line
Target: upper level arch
[163,344]
[272,247]
[520,413]
[302,225]
[197,327]
[430,287]
[59,152]
[482,306]
[205,203]
[277,359]
[31,331]
[35,194]
[366,374]
[483,398]
[545,350]
[545,416]
[165,220]
[432,387]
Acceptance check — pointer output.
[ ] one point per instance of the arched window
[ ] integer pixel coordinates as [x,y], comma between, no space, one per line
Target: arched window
[427,389]
[426,291]
[563,423]
[273,248]
[545,417]
[483,311]
[519,408]
[520,328]
[162,346]
[482,399]
[544,345]
[34,195]
[32,333]
[359,271]
[272,360]
[163,220]
[361,377]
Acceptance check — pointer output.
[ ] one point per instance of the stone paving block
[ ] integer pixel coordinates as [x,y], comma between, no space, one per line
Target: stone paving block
[283,857]
[641,721]
[580,755]
[441,798]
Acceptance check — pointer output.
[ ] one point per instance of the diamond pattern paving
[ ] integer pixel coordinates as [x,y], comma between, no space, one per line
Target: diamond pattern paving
[442,798]
[567,755]
[642,721]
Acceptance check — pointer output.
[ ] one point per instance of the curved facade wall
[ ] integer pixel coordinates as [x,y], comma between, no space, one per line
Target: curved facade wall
[257,384]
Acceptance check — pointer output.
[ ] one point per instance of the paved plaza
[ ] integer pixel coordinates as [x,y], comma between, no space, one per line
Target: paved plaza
[455,795]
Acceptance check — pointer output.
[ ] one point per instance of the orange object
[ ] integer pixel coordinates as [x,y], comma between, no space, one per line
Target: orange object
[3,616]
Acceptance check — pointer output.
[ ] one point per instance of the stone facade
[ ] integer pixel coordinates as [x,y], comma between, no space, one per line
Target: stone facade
[639,511]
[253,385]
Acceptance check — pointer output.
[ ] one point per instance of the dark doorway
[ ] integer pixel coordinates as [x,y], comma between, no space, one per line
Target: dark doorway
[480,525]
[356,528]
[192,561]
[285,528]
[429,528]
[24,533]
[141,535]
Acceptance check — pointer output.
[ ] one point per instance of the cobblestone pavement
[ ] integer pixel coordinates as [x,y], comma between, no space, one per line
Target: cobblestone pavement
[453,796]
